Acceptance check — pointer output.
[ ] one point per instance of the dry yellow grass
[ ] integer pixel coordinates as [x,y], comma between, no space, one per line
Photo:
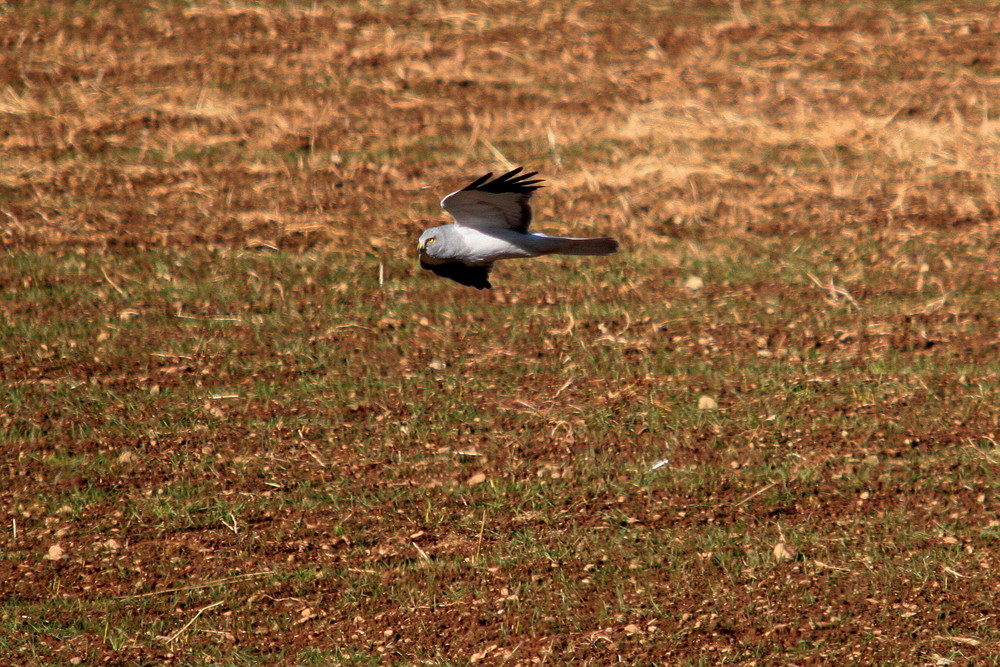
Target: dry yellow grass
[739,114]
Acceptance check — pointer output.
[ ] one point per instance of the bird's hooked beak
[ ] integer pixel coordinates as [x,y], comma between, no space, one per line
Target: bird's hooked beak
[421,245]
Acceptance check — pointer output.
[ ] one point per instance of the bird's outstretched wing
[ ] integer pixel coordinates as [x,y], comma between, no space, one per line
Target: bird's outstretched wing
[498,204]
[464,274]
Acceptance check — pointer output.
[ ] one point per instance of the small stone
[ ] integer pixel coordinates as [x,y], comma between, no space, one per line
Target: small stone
[694,283]
[783,552]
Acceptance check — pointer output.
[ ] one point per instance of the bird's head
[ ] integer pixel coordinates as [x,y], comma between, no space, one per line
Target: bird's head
[426,243]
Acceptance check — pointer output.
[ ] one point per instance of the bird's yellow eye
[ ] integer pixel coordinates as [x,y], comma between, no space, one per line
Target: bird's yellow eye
[430,240]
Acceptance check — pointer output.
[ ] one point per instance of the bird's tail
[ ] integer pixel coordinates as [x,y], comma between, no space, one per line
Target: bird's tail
[605,246]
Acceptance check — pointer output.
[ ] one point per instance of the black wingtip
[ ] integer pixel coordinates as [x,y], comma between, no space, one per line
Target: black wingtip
[512,181]
[479,181]
[463,274]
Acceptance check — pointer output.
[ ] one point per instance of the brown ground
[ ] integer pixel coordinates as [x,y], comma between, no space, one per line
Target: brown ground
[215,412]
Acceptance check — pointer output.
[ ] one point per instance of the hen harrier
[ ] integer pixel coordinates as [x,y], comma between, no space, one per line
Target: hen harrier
[491,223]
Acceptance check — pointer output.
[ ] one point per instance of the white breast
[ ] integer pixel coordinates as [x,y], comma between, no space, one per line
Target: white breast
[498,244]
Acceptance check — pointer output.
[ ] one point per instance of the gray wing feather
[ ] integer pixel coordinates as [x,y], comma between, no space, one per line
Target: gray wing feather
[501,203]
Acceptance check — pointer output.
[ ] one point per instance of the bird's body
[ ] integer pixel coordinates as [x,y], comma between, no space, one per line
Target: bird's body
[491,223]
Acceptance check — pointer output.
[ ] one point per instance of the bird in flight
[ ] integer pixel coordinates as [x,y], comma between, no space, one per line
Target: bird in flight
[491,223]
